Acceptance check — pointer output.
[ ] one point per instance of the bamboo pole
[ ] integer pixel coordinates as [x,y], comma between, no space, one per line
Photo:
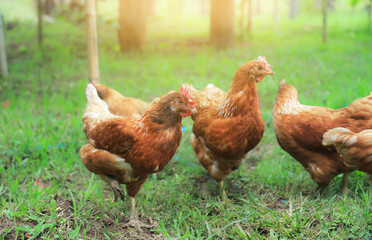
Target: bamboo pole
[3,61]
[92,40]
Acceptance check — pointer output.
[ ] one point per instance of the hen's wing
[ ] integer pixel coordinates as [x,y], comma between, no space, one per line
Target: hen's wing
[104,163]
[116,135]
[104,130]
[355,148]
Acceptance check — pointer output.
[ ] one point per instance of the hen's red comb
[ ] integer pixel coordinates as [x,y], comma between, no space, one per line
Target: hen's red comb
[185,91]
[263,59]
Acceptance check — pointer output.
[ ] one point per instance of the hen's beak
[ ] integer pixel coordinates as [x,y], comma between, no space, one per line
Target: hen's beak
[270,72]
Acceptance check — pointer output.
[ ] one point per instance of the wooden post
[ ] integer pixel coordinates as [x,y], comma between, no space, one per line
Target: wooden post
[324,9]
[92,41]
[40,22]
[3,61]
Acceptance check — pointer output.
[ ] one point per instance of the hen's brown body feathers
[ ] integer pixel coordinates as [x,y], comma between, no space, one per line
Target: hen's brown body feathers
[299,130]
[355,148]
[228,125]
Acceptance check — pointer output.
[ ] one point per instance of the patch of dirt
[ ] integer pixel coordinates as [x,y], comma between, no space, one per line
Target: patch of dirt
[106,223]
[315,224]
[8,232]
[131,233]
[99,224]
[7,228]
[200,186]
[280,203]
[263,231]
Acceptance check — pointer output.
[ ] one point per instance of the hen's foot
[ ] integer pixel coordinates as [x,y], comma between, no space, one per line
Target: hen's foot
[224,198]
[136,223]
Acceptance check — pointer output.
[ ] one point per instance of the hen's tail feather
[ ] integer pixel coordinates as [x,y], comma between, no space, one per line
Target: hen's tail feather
[339,136]
[95,103]
[96,111]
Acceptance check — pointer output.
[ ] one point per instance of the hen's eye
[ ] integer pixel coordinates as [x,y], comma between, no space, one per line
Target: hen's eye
[179,101]
[259,68]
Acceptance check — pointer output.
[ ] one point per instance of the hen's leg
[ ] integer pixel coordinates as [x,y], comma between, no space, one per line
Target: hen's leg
[320,189]
[116,187]
[345,180]
[134,221]
[223,193]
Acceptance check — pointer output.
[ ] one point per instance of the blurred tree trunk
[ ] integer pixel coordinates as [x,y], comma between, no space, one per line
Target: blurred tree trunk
[48,5]
[318,4]
[222,23]
[132,24]
[203,6]
[258,6]
[242,17]
[324,10]
[249,26]
[331,5]
[276,10]
[244,12]
[293,9]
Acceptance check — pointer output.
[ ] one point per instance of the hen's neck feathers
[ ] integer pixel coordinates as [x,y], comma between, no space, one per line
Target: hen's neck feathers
[160,114]
[241,99]
[288,103]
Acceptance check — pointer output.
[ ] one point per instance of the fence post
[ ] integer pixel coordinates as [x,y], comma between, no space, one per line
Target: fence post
[3,61]
[92,40]
[40,22]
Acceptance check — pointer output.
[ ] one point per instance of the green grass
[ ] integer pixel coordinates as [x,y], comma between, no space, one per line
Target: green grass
[272,195]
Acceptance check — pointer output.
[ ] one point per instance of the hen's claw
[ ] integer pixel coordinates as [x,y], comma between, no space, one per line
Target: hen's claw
[136,223]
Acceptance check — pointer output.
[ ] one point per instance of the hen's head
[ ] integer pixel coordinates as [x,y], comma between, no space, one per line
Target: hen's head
[258,68]
[181,102]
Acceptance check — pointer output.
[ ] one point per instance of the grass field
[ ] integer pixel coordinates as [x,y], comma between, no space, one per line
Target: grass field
[46,192]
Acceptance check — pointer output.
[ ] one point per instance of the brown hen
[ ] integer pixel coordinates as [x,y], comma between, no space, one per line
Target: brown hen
[299,130]
[125,150]
[228,125]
